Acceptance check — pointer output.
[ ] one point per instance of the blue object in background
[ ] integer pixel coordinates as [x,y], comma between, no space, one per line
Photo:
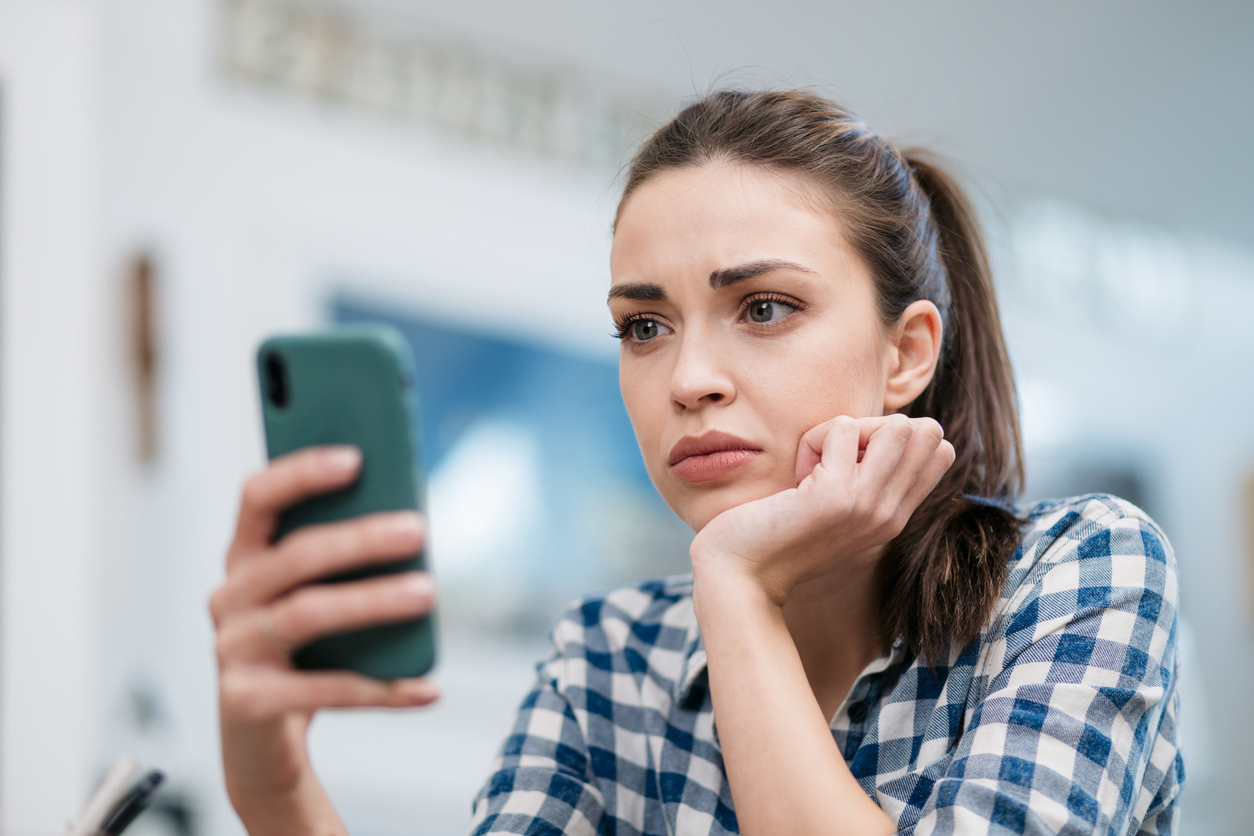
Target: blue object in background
[537,488]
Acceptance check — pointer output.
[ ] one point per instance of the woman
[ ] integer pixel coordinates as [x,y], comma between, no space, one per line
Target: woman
[886,646]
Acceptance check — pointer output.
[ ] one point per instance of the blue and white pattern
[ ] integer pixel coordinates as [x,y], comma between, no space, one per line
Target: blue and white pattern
[1059,718]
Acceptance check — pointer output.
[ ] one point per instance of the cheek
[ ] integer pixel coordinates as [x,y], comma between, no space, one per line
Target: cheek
[646,401]
[817,381]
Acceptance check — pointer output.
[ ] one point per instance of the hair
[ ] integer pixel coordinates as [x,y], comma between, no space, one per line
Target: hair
[918,233]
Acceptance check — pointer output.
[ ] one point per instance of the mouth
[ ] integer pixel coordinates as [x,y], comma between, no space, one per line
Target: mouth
[712,456]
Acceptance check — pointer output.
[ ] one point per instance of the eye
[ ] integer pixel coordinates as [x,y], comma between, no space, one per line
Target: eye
[643,330]
[640,329]
[765,309]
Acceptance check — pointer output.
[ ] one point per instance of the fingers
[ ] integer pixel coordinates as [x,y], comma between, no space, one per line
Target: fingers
[929,477]
[319,551]
[904,460]
[867,427]
[288,480]
[320,610]
[832,443]
[259,693]
[886,444]
[894,460]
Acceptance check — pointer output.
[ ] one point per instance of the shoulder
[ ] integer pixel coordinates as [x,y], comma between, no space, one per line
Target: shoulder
[648,628]
[1099,539]
[1094,525]
[1094,565]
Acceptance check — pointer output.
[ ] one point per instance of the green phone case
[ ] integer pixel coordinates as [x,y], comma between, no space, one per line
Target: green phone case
[352,385]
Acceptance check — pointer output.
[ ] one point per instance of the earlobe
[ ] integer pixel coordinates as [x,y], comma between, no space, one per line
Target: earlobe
[917,342]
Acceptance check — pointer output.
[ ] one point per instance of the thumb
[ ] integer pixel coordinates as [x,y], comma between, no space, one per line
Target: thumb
[810,451]
[810,448]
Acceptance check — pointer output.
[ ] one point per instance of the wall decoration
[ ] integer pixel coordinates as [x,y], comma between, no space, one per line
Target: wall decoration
[325,52]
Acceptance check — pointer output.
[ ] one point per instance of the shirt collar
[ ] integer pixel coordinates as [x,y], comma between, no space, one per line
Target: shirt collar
[692,672]
[692,675]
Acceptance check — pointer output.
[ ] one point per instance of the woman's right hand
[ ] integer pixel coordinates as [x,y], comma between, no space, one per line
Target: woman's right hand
[268,606]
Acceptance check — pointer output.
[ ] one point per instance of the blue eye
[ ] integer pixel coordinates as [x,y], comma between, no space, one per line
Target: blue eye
[643,330]
[769,310]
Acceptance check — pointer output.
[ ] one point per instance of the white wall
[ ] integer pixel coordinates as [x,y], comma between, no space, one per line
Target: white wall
[255,207]
[51,339]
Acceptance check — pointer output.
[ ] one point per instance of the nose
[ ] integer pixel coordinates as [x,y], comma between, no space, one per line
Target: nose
[701,375]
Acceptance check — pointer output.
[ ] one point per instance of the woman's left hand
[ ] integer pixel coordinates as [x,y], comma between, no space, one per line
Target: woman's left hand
[858,482]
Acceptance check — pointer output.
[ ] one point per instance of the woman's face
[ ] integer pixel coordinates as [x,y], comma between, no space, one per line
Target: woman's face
[746,320]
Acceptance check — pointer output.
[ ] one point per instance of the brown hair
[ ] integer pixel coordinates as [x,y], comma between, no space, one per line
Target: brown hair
[918,233]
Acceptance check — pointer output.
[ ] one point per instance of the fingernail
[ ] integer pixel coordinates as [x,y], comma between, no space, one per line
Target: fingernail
[420,690]
[343,457]
[405,527]
[417,585]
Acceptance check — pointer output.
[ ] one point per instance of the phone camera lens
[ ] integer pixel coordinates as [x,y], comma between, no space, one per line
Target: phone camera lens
[276,379]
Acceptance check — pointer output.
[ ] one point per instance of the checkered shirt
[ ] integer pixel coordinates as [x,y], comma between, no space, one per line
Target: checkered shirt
[1059,718]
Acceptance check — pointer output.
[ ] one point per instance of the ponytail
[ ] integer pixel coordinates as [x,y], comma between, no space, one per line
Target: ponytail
[918,234]
[944,572]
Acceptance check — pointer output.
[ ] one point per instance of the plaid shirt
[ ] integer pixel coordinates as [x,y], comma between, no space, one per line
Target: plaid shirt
[1059,718]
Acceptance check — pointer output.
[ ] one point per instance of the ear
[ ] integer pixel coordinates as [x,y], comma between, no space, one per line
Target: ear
[914,351]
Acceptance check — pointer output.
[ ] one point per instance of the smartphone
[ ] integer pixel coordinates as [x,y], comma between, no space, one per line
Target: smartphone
[352,385]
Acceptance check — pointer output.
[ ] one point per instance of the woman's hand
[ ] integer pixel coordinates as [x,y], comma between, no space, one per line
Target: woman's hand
[267,607]
[858,482]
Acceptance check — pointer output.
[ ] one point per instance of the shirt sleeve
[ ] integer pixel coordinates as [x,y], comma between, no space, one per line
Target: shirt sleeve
[541,783]
[1076,731]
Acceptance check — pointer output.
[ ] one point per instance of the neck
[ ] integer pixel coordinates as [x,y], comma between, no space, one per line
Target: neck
[834,621]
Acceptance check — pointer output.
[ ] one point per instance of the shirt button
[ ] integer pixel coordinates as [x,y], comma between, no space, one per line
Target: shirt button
[857,712]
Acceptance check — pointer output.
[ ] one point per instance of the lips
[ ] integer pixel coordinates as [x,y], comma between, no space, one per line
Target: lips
[711,456]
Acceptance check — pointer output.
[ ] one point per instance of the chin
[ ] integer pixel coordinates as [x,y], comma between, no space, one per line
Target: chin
[697,508]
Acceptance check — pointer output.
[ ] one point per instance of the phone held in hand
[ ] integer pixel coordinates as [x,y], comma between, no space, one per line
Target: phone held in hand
[352,385]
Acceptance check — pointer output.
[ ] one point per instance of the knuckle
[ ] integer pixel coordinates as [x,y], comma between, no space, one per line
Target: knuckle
[232,689]
[226,645]
[255,490]
[901,424]
[310,610]
[219,605]
[306,547]
[234,554]
[843,503]
[882,517]
[221,652]
[241,695]
[297,616]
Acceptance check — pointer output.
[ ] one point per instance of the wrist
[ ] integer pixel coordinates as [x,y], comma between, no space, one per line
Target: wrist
[735,577]
[723,592]
[305,809]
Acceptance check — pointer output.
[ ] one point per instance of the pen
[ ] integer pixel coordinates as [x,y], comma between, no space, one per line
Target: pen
[115,785]
[133,803]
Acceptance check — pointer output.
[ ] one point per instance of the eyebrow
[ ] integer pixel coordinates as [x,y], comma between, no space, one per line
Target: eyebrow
[719,279]
[638,291]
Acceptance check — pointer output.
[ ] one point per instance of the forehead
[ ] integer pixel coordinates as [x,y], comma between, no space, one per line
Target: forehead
[715,216]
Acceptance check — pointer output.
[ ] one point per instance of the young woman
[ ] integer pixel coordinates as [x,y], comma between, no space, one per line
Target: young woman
[872,640]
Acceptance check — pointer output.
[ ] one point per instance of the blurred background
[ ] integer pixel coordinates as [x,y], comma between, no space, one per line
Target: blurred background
[179,178]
